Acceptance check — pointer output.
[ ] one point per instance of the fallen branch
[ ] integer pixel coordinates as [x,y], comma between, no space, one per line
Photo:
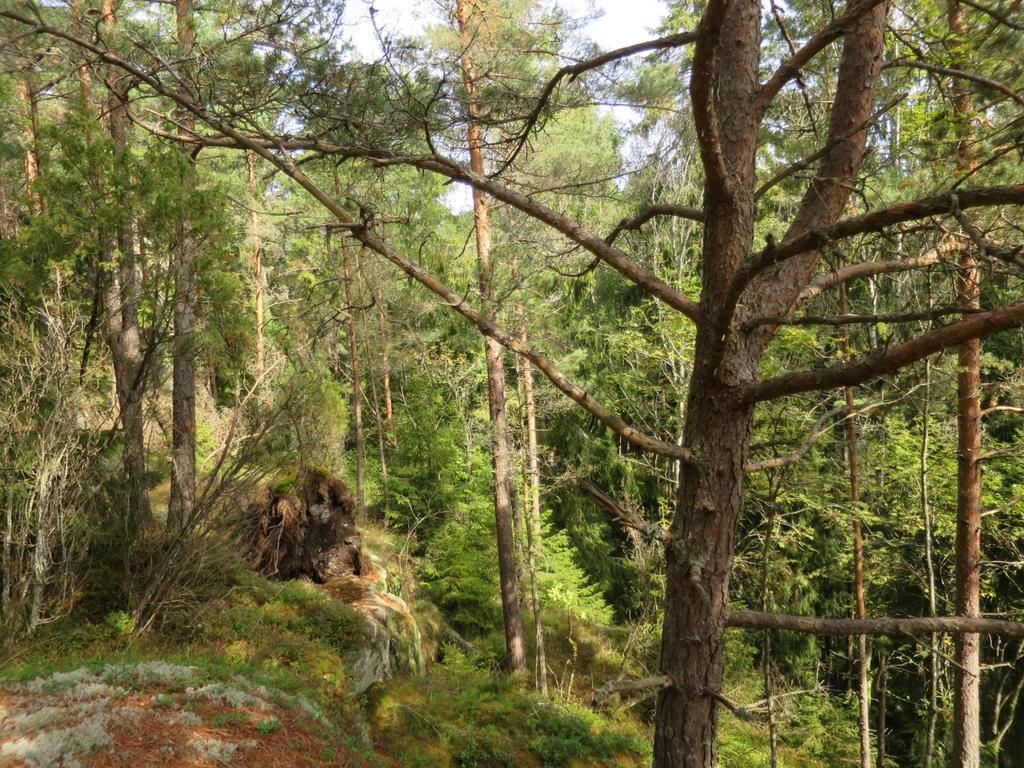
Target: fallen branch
[810,625]
[648,685]
[623,516]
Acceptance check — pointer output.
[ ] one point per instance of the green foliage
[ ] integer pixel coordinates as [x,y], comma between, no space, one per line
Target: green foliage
[565,584]
[268,726]
[119,623]
[459,572]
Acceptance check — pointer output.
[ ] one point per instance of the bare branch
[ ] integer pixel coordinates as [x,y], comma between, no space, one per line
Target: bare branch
[1002,409]
[1001,18]
[816,431]
[800,165]
[607,253]
[1011,256]
[885,361]
[368,238]
[961,75]
[662,209]
[624,517]
[871,268]
[875,221]
[954,625]
[890,317]
[572,71]
[792,66]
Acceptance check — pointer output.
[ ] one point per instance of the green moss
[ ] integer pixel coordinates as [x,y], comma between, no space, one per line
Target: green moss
[475,718]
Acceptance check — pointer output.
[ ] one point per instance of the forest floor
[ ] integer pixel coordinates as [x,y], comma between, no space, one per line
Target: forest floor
[158,714]
[262,673]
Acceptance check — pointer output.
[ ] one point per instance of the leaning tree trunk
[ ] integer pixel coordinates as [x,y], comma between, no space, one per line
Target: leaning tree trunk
[504,481]
[183,376]
[967,670]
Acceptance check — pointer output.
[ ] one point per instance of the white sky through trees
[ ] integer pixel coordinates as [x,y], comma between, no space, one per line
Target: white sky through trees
[621,22]
[616,23]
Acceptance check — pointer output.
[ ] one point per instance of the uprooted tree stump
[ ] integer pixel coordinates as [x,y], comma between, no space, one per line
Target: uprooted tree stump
[304,527]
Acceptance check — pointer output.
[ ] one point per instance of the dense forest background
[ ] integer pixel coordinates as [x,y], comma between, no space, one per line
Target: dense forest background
[185,321]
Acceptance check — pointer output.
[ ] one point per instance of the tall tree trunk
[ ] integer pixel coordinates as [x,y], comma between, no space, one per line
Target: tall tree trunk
[385,362]
[929,555]
[357,383]
[501,459]
[533,531]
[863,658]
[966,675]
[371,375]
[30,140]
[255,200]
[699,556]
[183,377]
[881,683]
[766,649]
[121,303]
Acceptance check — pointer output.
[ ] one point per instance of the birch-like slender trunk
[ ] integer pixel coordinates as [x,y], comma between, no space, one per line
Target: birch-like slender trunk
[255,200]
[929,555]
[863,657]
[881,687]
[385,362]
[501,459]
[30,140]
[766,649]
[371,376]
[533,530]
[357,382]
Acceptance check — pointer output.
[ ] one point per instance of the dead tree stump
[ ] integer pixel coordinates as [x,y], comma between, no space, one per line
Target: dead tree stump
[304,527]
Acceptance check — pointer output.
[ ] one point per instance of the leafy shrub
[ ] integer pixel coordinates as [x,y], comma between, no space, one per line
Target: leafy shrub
[334,624]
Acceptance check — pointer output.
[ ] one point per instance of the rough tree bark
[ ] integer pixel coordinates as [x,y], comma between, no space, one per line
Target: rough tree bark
[29,135]
[121,297]
[727,104]
[504,482]
[967,654]
[738,288]
[183,377]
